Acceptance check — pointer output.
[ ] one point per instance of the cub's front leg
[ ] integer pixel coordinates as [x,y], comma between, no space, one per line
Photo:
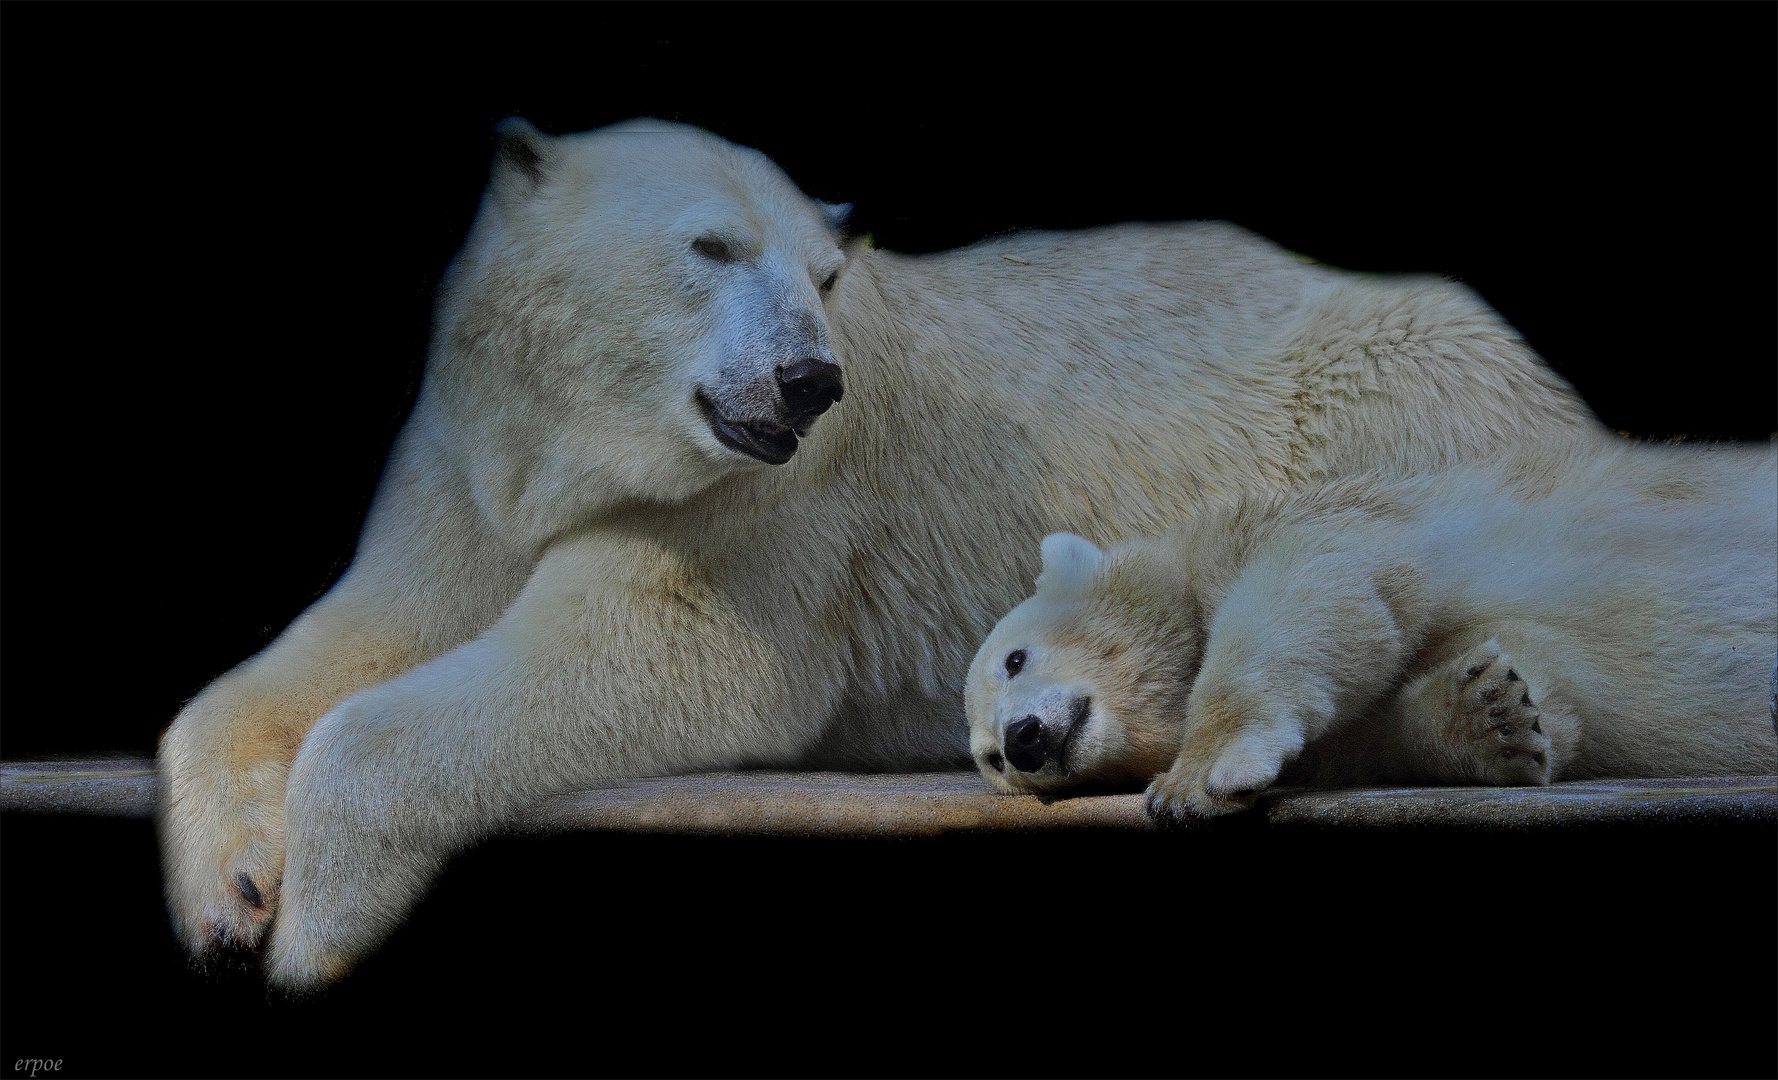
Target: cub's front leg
[1300,643]
[618,659]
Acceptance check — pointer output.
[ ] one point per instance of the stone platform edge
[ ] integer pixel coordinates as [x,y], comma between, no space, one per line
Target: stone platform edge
[928,804]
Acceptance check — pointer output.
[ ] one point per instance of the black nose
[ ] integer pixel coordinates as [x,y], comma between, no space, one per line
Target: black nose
[809,387]
[1026,744]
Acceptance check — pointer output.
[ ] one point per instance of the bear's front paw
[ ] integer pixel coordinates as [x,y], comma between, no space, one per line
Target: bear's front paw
[1495,727]
[1229,784]
[363,842]
[222,827]
[345,891]
[1177,796]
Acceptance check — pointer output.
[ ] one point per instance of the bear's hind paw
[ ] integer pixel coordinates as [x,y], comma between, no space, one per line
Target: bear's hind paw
[1495,725]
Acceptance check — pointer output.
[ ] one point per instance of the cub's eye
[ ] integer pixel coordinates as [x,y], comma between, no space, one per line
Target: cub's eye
[1015,660]
[713,249]
[827,286]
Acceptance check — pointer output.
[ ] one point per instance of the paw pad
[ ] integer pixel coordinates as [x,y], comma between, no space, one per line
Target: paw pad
[1500,738]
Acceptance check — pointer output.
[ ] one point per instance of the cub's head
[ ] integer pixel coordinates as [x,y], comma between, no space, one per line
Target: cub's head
[1084,685]
[640,311]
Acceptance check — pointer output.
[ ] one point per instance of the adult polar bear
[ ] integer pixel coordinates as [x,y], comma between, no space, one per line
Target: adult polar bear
[614,539]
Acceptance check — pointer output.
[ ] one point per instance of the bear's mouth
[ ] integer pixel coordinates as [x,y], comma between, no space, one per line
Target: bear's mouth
[764,440]
[1083,708]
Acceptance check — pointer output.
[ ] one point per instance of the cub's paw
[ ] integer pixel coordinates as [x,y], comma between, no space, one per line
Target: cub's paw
[1495,728]
[1168,798]
[1231,781]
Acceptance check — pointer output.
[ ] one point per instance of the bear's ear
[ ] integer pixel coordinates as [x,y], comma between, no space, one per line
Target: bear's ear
[839,218]
[523,158]
[1069,562]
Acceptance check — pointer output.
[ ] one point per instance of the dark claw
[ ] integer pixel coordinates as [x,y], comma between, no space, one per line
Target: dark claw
[1537,727]
[1511,675]
[248,890]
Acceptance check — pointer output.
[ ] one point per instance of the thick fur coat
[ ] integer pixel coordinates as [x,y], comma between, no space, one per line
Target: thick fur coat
[1560,613]
[579,563]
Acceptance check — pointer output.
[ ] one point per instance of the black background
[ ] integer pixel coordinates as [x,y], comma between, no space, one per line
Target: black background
[219,232]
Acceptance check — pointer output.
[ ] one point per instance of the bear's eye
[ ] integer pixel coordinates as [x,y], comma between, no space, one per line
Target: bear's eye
[827,286]
[1015,660]
[713,249]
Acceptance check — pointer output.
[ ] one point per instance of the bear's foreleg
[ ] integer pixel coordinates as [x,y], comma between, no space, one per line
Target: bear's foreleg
[426,577]
[225,759]
[617,659]
[1301,642]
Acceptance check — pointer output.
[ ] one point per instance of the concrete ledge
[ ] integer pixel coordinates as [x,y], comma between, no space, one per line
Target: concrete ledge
[1577,802]
[829,804]
[927,804]
[118,787]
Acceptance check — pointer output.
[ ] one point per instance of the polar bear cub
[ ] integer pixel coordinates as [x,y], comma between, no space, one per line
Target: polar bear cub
[1553,614]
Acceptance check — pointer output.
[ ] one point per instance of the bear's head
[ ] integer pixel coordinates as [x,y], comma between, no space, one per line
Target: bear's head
[1084,685]
[639,311]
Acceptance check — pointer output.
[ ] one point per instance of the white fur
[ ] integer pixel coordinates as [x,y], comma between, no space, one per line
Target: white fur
[1555,613]
[567,576]
[1068,563]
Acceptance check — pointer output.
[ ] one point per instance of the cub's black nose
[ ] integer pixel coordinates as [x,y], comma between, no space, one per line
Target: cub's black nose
[810,387]
[1026,744]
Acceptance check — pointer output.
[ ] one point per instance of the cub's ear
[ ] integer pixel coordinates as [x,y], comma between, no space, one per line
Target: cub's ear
[1069,562]
[839,218]
[523,159]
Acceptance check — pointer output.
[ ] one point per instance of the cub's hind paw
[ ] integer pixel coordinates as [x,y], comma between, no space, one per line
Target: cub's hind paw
[1495,728]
